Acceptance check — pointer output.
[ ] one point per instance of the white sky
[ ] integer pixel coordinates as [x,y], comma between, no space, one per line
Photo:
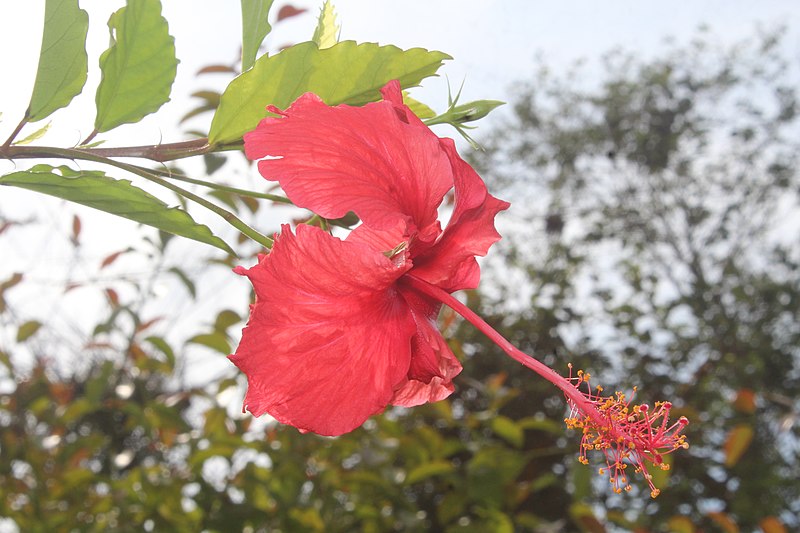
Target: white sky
[493,43]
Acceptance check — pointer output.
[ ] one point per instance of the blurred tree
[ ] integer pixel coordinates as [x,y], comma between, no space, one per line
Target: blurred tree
[657,216]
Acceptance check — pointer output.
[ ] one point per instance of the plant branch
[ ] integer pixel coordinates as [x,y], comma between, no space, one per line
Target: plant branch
[154,152]
[216,186]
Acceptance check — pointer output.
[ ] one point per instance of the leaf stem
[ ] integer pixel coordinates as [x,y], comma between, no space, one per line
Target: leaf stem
[15,132]
[216,186]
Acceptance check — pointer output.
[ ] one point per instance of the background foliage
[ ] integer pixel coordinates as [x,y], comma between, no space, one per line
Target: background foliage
[652,250]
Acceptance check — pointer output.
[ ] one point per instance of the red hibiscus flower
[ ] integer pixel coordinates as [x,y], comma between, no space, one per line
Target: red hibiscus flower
[335,334]
[341,328]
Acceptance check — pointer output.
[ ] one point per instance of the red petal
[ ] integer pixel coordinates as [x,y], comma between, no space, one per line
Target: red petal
[433,365]
[328,339]
[378,160]
[450,263]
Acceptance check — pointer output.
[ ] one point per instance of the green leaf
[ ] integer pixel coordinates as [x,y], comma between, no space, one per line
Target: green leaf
[63,62]
[344,73]
[255,26]
[187,282]
[38,134]
[163,346]
[508,430]
[427,470]
[139,67]
[225,319]
[118,197]
[216,341]
[28,330]
[739,439]
[418,108]
[327,32]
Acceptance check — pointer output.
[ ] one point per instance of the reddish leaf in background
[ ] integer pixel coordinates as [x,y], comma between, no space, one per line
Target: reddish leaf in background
[289,11]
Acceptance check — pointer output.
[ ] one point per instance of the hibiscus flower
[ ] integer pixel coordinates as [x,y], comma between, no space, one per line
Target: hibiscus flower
[342,328]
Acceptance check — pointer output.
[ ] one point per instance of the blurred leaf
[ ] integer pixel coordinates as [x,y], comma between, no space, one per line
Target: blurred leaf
[27,329]
[138,68]
[736,444]
[326,33]
[109,259]
[771,524]
[217,69]
[288,11]
[725,522]
[488,472]
[186,280]
[216,341]
[214,162]
[76,230]
[163,346]
[583,515]
[345,73]
[309,519]
[680,524]
[661,477]
[118,197]
[63,62]
[745,401]
[428,470]
[5,285]
[508,430]
[225,319]
[255,26]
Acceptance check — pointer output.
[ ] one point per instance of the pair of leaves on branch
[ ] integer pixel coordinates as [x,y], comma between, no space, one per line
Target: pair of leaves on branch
[138,69]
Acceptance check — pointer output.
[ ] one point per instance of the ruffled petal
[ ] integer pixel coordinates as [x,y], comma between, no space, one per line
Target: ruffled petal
[450,263]
[329,338]
[433,365]
[378,160]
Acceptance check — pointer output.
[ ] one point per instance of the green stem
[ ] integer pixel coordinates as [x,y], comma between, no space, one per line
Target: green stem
[211,185]
[155,152]
[15,132]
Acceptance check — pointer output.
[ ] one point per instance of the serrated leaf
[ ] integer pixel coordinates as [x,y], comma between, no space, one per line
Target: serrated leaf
[138,68]
[255,27]
[344,73]
[63,62]
[428,470]
[739,439]
[326,33]
[27,330]
[418,108]
[216,341]
[118,197]
[38,134]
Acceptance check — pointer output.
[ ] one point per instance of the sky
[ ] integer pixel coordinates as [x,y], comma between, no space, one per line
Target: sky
[494,43]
